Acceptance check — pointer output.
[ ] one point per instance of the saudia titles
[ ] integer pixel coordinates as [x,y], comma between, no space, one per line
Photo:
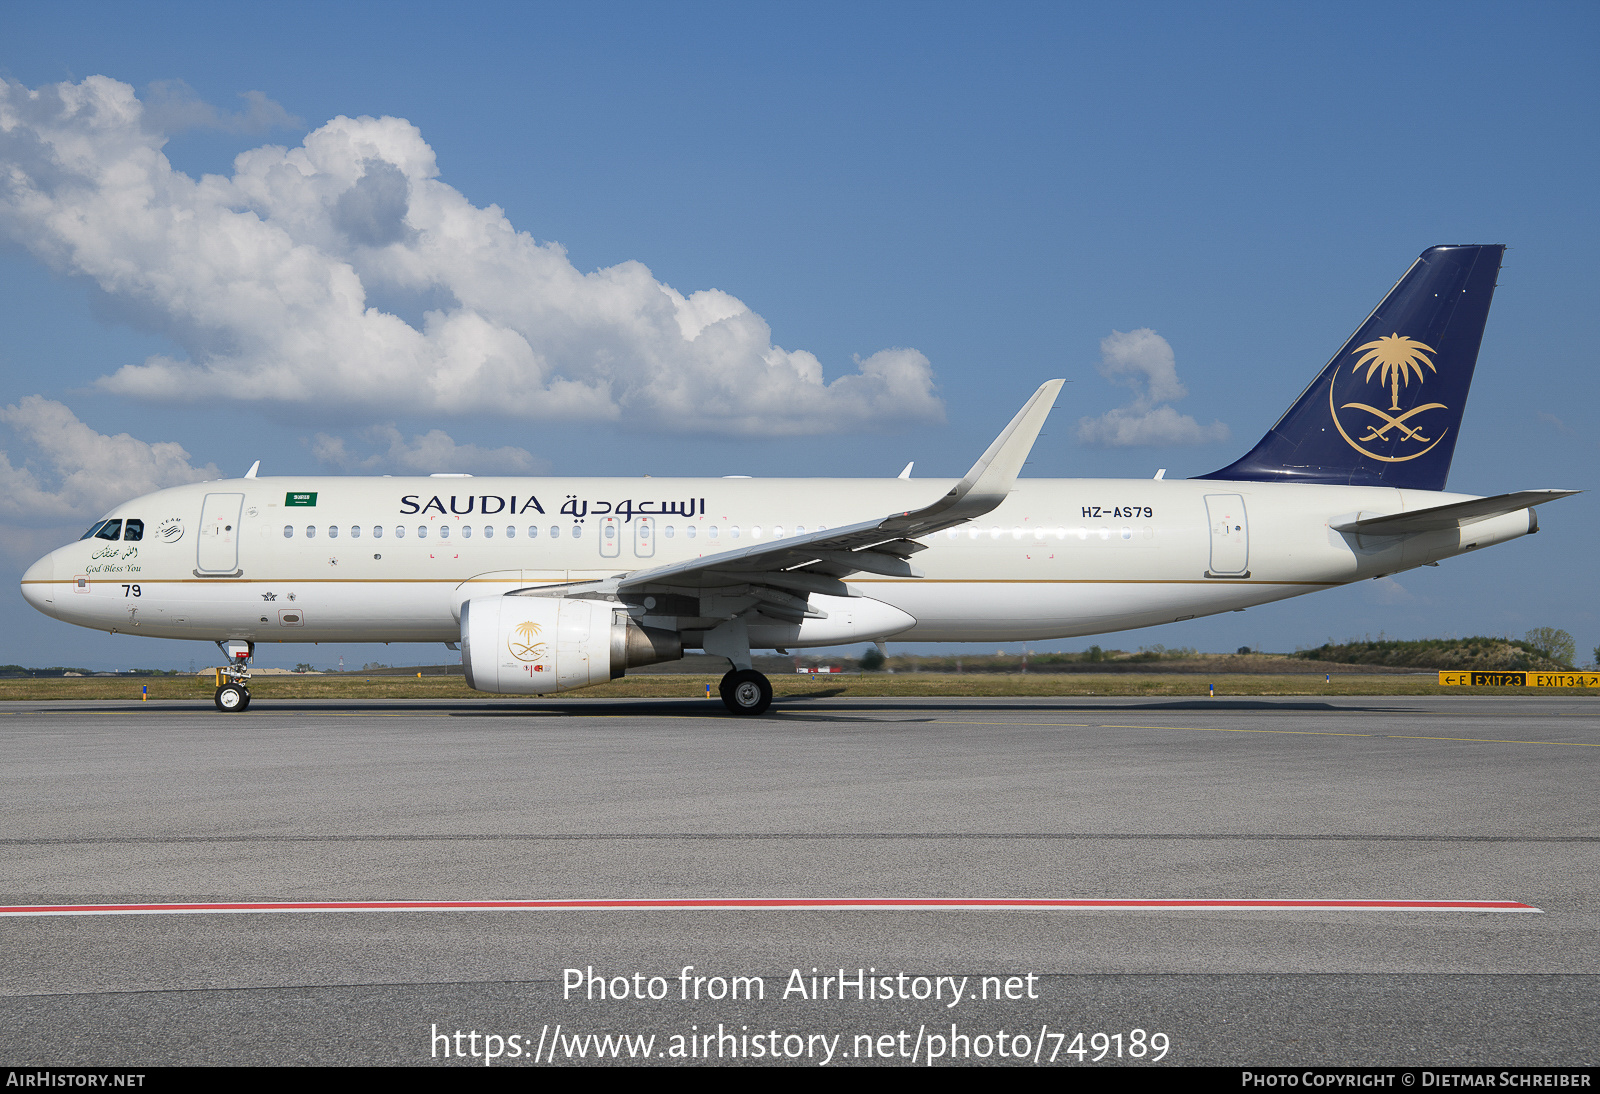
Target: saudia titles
[575,507]
[1393,360]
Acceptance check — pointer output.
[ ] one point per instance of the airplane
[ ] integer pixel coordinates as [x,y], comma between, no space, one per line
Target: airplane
[552,584]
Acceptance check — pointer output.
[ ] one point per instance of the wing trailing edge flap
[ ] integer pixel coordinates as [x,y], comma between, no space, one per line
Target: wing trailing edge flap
[1454,515]
[818,562]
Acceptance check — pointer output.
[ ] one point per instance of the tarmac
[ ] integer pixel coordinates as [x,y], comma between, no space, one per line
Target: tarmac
[675,802]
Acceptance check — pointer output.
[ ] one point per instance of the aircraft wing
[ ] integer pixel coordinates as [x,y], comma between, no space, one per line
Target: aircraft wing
[1454,515]
[789,569]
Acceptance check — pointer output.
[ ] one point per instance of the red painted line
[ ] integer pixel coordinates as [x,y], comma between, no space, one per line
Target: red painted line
[770,904]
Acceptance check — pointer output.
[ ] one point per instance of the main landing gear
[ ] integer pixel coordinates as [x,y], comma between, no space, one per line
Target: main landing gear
[234,695]
[746,691]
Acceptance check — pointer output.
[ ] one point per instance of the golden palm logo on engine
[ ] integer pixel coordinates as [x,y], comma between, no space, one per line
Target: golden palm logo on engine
[1394,360]
[523,642]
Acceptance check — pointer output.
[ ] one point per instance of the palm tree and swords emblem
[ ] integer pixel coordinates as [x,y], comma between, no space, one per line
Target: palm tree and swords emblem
[523,642]
[1394,359]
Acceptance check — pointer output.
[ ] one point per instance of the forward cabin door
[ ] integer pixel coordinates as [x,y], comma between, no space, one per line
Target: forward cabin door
[219,534]
[1230,536]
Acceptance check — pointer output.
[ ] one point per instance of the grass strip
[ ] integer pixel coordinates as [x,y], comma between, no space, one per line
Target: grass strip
[886,685]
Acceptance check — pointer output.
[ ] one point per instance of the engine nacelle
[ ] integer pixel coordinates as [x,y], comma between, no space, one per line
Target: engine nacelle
[534,645]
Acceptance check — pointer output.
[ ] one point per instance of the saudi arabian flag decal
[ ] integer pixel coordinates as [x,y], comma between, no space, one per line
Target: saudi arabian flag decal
[300,499]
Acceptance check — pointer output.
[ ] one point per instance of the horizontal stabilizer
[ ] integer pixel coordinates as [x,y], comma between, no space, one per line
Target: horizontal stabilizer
[1454,515]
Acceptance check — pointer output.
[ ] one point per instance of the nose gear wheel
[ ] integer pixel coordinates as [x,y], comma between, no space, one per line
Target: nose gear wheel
[232,698]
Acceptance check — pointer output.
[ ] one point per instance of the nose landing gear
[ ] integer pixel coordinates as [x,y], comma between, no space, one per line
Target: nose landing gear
[232,698]
[234,695]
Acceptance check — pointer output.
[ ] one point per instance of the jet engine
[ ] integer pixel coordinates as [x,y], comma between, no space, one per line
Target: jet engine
[534,645]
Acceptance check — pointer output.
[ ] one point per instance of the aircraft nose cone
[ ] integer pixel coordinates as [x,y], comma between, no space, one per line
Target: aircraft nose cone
[38,584]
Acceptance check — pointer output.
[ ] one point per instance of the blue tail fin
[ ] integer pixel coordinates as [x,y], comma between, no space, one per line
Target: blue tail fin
[1387,409]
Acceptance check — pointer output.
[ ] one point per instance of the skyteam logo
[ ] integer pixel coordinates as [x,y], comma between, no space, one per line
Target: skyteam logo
[1393,361]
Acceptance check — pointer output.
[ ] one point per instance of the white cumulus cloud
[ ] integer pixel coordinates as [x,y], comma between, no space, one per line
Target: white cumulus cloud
[344,275]
[1143,360]
[430,452]
[75,473]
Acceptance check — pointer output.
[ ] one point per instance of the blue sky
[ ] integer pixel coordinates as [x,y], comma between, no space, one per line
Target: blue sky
[967,199]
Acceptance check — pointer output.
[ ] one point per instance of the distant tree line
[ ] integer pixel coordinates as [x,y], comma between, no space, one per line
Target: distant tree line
[14,671]
[1540,648]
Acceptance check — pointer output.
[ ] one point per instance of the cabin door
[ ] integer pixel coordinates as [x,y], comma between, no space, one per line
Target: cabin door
[219,534]
[1230,536]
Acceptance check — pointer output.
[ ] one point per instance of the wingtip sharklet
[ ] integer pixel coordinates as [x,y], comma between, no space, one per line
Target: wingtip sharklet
[996,470]
[990,480]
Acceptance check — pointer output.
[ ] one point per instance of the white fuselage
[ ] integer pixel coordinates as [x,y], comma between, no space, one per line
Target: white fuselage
[392,559]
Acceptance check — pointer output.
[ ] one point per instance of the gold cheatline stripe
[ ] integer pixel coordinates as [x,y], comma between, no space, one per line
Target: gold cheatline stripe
[114,579]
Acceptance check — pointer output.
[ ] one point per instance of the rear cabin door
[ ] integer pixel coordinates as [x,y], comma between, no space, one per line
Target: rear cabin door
[219,534]
[1230,536]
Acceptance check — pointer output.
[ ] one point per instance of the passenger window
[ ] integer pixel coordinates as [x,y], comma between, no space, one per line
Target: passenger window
[555,532]
[511,531]
[311,531]
[133,531]
[712,531]
[733,532]
[488,531]
[689,531]
[422,531]
[533,531]
[444,531]
[111,529]
[466,531]
[669,533]
[377,531]
[399,531]
[577,531]
[333,531]
[355,531]
[288,531]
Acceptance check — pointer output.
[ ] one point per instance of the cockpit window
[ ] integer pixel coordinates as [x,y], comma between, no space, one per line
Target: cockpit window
[93,528]
[133,531]
[111,529]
